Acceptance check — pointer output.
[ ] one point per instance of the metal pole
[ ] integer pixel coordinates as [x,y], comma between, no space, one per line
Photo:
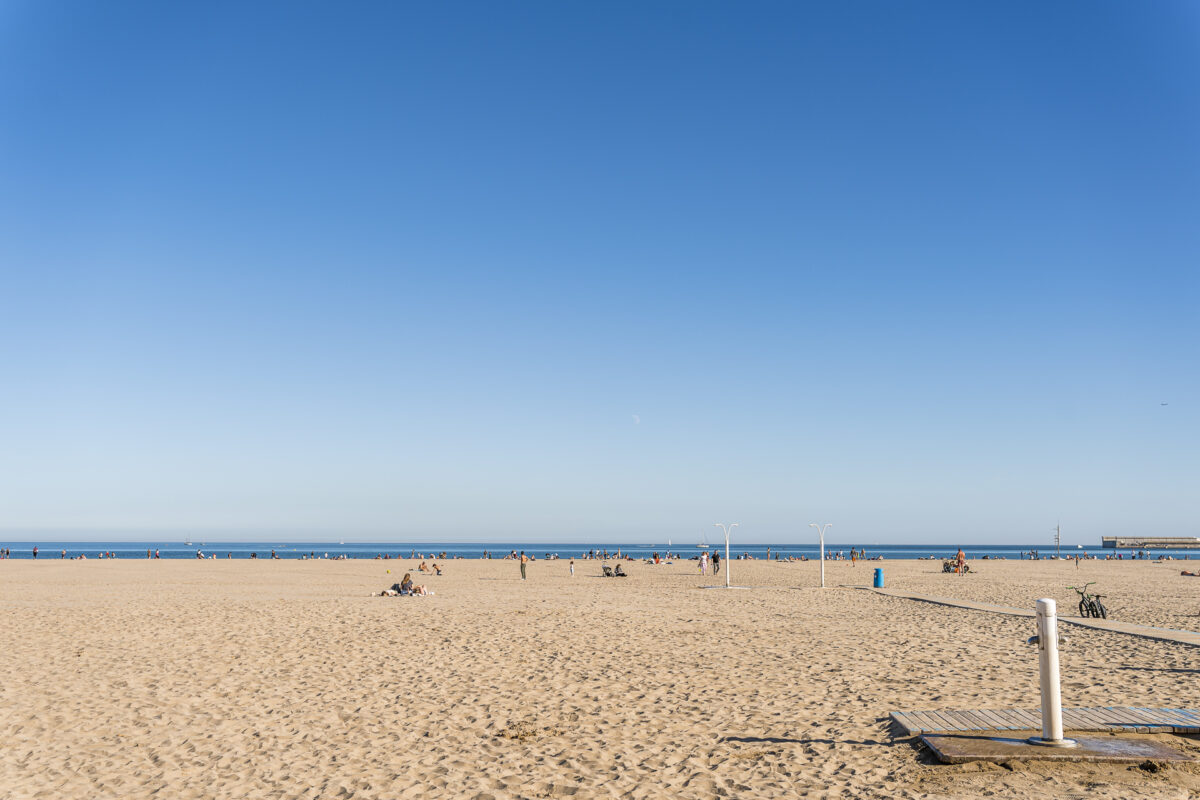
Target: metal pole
[821,530]
[1047,643]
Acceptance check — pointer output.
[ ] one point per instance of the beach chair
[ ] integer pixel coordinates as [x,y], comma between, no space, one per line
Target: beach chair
[608,573]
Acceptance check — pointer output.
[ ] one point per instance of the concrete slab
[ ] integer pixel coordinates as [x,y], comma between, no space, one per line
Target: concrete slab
[959,748]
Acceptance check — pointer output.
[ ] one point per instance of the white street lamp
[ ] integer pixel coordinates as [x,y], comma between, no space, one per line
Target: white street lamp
[821,530]
[726,529]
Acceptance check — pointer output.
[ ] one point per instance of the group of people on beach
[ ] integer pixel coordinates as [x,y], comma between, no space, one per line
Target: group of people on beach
[406,588]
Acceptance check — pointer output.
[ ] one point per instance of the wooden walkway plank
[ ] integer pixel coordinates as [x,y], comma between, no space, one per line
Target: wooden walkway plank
[1099,715]
[1167,717]
[1125,719]
[998,720]
[1139,719]
[975,719]
[936,723]
[1160,716]
[1098,720]
[1029,718]
[1105,716]
[1132,717]
[1175,714]
[901,718]
[1073,721]
[1191,715]
[944,723]
[1182,717]
[925,723]
[955,719]
[965,720]
[1142,715]
[1006,715]
[988,715]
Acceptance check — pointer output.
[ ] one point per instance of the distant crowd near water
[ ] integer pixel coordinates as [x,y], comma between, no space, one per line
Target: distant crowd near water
[340,551]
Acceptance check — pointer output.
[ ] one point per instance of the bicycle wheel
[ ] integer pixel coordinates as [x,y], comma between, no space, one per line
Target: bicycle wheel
[1084,611]
[1103,612]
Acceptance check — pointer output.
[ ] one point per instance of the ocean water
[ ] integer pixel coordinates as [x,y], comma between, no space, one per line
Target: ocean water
[178,549]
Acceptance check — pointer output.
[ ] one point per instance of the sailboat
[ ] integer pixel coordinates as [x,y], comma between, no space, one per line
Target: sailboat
[703,541]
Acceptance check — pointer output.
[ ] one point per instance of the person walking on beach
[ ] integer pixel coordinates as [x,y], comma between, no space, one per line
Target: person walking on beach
[524,561]
[572,566]
[716,563]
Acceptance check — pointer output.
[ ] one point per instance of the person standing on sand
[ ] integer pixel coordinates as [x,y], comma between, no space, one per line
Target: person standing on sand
[960,562]
[716,563]
[35,552]
[524,561]
[572,566]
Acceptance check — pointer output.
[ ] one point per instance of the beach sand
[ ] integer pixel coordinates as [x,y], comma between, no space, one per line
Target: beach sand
[285,679]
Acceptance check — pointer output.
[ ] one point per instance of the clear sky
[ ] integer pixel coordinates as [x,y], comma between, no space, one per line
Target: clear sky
[928,271]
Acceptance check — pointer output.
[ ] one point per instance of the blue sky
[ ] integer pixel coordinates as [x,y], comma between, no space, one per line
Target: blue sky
[569,271]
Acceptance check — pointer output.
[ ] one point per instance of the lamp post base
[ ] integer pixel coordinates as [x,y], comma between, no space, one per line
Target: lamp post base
[1052,742]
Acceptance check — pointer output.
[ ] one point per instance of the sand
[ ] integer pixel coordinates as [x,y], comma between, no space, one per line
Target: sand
[284,679]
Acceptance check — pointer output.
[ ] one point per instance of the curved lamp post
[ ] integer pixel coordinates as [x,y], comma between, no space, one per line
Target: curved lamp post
[821,530]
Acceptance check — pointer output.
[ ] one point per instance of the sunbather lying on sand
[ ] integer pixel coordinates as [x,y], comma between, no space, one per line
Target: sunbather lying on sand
[406,587]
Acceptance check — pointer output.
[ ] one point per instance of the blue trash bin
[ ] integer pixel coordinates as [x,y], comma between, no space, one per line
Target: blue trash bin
[879,577]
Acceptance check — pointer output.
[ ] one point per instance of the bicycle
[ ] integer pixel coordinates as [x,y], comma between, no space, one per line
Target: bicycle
[1089,604]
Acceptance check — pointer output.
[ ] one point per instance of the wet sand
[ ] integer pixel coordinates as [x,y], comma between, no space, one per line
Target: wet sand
[285,679]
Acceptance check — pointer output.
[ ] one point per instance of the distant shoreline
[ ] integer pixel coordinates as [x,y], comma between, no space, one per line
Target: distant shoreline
[174,550]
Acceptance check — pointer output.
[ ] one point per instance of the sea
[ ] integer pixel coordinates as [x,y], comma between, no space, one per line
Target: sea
[295,550]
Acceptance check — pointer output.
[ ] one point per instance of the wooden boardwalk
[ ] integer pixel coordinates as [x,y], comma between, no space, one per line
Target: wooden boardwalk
[1114,718]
